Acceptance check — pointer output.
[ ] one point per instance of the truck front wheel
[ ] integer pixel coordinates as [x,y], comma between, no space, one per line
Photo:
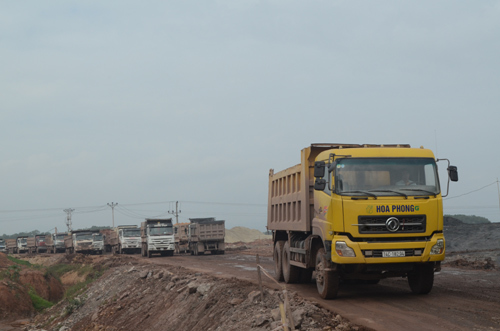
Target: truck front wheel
[327,281]
[277,257]
[421,279]
[291,273]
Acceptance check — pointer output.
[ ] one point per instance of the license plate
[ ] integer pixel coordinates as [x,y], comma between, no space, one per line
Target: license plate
[393,253]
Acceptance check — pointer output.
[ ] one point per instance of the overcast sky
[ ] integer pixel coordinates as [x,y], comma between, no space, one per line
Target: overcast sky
[194,101]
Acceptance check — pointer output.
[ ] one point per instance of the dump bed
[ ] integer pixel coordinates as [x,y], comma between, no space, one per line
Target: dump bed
[291,199]
[68,241]
[107,234]
[31,242]
[207,229]
[10,243]
[181,232]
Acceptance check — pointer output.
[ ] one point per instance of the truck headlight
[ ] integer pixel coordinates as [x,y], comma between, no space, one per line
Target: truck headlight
[438,248]
[344,250]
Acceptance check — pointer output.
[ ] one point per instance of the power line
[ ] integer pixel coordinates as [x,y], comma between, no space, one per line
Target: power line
[479,189]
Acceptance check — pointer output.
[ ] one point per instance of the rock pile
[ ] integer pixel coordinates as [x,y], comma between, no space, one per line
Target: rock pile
[152,297]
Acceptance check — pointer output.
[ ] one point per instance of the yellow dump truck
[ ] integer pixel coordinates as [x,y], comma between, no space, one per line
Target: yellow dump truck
[358,213]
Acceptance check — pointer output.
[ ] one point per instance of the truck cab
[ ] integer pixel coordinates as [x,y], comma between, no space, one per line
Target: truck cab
[81,242]
[97,243]
[157,237]
[22,244]
[58,242]
[129,238]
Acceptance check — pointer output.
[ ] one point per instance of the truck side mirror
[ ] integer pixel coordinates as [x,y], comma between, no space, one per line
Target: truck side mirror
[319,184]
[319,169]
[453,173]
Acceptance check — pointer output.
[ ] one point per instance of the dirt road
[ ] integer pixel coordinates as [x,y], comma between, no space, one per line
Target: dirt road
[460,299]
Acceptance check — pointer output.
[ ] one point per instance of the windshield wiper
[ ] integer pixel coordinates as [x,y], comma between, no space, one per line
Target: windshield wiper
[418,189]
[391,191]
[362,192]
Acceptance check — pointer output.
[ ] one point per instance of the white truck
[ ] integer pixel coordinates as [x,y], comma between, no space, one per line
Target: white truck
[125,239]
[80,241]
[97,243]
[21,245]
[157,237]
[55,242]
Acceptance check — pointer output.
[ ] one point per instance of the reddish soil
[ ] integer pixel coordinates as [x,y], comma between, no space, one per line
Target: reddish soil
[15,283]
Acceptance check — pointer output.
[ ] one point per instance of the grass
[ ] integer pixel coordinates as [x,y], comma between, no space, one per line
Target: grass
[20,262]
[39,303]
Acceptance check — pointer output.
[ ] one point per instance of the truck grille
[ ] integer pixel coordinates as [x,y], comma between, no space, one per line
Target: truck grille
[378,224]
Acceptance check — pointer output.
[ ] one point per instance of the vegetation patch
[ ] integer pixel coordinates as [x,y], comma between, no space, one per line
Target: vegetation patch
[91,274]
[39,303]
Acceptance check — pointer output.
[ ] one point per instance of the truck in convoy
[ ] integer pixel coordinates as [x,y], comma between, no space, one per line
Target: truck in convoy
[36,244]
[80,241]
[55,242]
[358,213]
[106,235]
[125,239]
[20,245]
[181,237]
[3,247]
[11,246]
[206,234]
[97,243]
[157,236]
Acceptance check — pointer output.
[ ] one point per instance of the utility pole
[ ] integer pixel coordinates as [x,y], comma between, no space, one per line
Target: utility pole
[68,218]
[176,212]
[113,205]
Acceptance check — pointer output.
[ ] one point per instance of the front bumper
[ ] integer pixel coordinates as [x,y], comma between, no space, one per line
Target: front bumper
[371,253]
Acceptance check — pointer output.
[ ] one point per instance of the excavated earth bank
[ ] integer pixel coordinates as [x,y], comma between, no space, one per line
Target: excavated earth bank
[138,296]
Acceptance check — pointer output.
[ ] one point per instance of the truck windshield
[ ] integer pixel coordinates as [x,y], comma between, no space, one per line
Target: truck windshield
[23,240]
[86,236]
[60,237]
[132,233]
[98,237]
[386,176]
[161,231]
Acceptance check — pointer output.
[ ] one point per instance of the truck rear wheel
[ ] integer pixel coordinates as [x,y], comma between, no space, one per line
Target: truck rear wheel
[421,279]
[291,273]
[327,281]
[277,257]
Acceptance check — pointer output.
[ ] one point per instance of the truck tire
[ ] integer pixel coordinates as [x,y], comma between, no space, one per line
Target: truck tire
[421,279]
[277,257]
[327,281]
[291,273]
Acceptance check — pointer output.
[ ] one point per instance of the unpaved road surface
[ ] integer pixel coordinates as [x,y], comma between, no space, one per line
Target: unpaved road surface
[460,300]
